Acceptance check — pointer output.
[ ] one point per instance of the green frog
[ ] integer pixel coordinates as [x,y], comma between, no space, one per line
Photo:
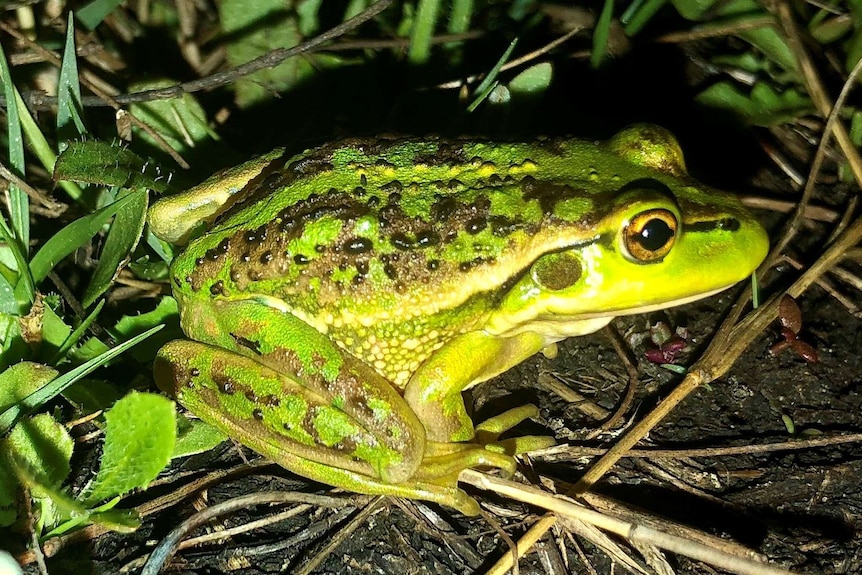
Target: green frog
[338,302]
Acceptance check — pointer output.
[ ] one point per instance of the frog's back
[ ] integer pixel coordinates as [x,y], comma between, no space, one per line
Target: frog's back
[400,228]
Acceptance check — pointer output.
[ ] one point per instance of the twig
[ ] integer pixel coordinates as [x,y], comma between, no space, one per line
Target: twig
[162,554]
[631,531]
[341,535]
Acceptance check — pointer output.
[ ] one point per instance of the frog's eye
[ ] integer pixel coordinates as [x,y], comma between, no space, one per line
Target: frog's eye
[649,235]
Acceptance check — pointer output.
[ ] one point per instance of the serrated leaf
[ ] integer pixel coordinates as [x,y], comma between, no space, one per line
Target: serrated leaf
[534,79]
[166,314]
[140,432]
[91,395]
[54,333]
[122,239]
[98,162]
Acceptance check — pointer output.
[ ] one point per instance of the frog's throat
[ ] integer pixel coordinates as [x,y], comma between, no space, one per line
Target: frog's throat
[556,325]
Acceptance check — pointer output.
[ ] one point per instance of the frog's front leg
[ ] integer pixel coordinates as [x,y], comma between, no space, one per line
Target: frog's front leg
[434,391]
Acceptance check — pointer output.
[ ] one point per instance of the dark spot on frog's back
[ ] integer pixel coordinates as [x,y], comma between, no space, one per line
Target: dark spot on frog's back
[225,384]
[427,238]
[248,344]
[315,163]
[476,225]
[443,208]
[547,193]
[356,246]
[449,153]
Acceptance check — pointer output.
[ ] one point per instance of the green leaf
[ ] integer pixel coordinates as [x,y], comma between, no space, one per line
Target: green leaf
[55,504]
[195,436]
[54,332]
[165,315]
[763,106]
[122,239]
[483,90]
[534,79]
[93,13]
[601,34]
[9,493]
[639,14]
[69,109]
[182,121]
[72,237]
[42,445]
[56,386]
[22,379]
[19,203]
[256,27]
[8,303]
[97,162]
[77,334]
[772,44]
[423,30]
[140,432]
[91,395]
[119,520]
[165,312]
[460,16]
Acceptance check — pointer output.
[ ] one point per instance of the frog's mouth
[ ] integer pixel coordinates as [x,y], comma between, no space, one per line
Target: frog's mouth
[556,324]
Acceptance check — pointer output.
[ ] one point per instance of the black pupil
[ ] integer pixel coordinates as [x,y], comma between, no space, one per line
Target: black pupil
[654,235]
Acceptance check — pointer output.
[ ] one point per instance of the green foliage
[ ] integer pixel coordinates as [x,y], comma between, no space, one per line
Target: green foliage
[194,436]
[70,122]
[122,239]
[139,439]
[256,27]
[762,106]
[92,14]
[182,122]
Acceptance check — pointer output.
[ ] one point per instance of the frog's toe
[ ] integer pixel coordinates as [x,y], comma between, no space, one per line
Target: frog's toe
[488,432]
[520,445]
[444,463]
[507,420]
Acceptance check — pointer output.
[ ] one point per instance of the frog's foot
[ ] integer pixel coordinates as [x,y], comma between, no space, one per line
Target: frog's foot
[488,432]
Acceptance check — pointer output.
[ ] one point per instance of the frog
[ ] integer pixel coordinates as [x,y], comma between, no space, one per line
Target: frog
[338,302]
